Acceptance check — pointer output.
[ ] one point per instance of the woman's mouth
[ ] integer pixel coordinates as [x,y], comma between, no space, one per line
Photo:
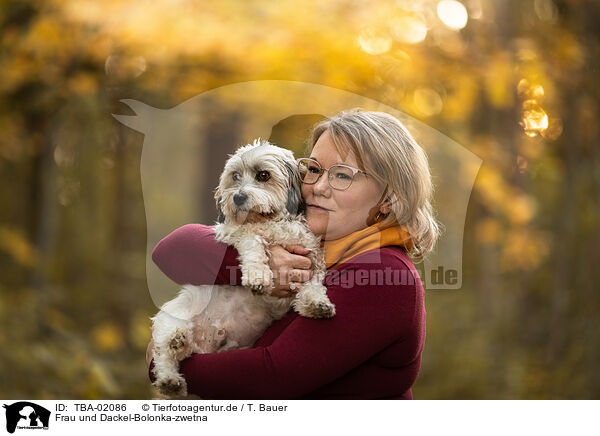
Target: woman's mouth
[315,207]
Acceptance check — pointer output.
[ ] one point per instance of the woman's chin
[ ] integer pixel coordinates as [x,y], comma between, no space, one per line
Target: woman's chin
[316,227]
[318,232]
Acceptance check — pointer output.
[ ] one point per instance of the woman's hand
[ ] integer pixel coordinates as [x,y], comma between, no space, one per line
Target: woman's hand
[290,267]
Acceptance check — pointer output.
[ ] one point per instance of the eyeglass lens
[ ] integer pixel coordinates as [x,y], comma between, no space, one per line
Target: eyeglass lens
[339,177]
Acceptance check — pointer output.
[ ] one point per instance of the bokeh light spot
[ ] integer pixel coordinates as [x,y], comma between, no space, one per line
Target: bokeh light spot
[374,40]
[535,119]
[453,14]
[409,29]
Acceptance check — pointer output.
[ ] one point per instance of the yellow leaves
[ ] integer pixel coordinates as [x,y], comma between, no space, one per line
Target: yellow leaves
[16,70]
[531,147]
[493,190]
[46,33]
[500,198]
[499,80]
[427,102]
[49,41]
[140,332]
[517,209]
[488,231]
[524,249]
[100,380]
[107,337]
[58,321]
[521,209]
[510,229]
[15,243]
[13,141]
[460,100]
[569,50]
[83,83]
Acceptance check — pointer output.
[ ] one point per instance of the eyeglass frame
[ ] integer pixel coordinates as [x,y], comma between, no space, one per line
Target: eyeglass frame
[354,172]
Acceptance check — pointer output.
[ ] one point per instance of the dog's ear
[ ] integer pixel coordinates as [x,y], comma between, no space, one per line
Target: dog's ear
[295,203]
[220,214]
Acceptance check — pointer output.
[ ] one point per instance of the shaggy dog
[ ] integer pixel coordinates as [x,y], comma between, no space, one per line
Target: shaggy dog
[259,201]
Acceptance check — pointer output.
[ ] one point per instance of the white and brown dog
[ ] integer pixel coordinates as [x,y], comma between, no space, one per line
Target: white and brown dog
[259,205]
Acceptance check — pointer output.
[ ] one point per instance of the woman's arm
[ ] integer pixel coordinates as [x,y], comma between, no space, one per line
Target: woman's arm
[308,354]
[192,255]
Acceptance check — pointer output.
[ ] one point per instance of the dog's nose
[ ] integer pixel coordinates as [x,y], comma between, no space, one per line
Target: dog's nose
[239,199]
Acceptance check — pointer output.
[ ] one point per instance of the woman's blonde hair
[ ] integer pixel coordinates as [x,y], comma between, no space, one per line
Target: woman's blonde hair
[388,153]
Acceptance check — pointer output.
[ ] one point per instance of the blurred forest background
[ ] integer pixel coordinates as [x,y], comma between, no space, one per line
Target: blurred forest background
[515,82]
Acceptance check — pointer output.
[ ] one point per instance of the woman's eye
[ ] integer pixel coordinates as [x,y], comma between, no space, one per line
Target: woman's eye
[263,176]
[342,176]
[236,177]
[313,169]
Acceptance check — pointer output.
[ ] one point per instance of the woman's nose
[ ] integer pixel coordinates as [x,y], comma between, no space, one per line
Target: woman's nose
[322,186]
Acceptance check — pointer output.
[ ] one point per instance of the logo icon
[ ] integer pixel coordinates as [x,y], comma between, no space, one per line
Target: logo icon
[185,148]
[26,415]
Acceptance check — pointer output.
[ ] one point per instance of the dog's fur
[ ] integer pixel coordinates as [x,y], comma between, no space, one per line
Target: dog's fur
[259,204]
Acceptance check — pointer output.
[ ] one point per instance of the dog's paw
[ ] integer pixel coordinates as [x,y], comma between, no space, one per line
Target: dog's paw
[258,278]
[171,386]
[179,344]
[319,310]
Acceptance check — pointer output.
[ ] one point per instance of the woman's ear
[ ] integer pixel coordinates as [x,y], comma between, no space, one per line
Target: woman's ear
[385,207]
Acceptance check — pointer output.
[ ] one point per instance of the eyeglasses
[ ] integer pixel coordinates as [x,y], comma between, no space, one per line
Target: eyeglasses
[339,176]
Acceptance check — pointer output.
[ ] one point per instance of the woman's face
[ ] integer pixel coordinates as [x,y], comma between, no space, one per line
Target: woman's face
[334,214]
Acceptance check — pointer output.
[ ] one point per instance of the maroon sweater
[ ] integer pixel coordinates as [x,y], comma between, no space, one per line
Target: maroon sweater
[371,349]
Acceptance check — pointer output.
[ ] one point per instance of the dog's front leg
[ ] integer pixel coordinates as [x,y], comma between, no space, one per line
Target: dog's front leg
[312,302]
[254,262]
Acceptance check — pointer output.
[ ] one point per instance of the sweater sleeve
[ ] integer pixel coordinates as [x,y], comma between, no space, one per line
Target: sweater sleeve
[192,255]
[308,354]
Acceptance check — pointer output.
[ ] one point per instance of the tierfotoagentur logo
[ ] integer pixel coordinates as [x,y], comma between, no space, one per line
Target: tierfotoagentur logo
[185,148]
[26,416]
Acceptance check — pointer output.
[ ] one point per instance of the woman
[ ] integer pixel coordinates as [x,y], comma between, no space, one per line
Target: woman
[367,189]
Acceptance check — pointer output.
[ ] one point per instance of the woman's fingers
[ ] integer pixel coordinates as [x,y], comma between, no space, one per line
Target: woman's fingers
[290,267]
[293,288]
[297,257]
[297,249]
[301,262]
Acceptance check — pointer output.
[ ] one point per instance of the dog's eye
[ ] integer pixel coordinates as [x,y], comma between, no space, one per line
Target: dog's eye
[263,176]
[236,177]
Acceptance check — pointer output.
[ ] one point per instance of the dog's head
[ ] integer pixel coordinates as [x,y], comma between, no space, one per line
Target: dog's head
[260,182]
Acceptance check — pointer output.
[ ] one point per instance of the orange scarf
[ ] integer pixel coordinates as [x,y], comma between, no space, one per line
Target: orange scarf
[341,250]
